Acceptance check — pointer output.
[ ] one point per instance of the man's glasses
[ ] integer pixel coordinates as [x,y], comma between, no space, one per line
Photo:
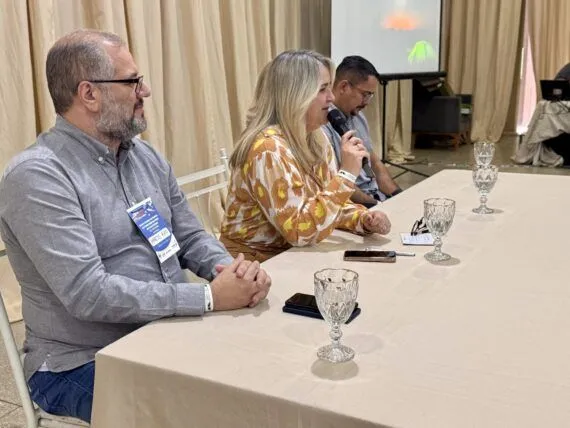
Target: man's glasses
[366,95]
[135,80]
[419,227]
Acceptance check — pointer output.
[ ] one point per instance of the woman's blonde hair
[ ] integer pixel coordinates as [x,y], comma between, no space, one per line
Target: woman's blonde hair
[285,88]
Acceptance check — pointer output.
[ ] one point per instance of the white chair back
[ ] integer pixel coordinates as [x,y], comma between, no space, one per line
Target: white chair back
[34,416]
[200,198]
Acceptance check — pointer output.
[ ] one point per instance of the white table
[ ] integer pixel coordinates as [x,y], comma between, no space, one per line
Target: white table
[483,341]
[549,120]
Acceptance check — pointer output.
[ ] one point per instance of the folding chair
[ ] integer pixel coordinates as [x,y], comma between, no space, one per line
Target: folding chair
[35,417]
[221,174]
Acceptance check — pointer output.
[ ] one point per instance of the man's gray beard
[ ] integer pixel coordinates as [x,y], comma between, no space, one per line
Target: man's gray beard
[113,124]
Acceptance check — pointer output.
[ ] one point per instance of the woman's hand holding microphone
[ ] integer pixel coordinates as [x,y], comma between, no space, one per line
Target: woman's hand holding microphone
[352,152]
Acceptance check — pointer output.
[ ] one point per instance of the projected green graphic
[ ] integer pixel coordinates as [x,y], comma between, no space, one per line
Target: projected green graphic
[422,51]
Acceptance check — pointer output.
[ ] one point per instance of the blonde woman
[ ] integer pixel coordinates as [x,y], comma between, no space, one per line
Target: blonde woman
[285,188]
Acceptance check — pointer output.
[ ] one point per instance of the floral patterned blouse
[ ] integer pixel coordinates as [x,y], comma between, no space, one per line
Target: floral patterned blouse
[272,204]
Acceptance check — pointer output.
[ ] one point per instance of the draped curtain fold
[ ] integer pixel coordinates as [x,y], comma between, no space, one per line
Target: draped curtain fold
[483,59]
[201,59]
[18,121]
[549,33]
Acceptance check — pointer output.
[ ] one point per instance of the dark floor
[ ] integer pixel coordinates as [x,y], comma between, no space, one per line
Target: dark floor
[432,160]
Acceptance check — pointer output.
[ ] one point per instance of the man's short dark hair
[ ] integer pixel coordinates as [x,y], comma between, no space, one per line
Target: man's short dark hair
[77,56]
[355,69]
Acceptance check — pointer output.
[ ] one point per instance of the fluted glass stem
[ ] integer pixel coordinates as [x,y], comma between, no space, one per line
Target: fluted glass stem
[335,334]
[483,208]
[483,201]
[437,243]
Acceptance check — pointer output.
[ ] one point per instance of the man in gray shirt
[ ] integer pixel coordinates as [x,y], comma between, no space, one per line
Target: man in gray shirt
[71,215]
[355,84]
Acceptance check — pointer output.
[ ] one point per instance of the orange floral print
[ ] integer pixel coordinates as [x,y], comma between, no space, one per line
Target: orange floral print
[273,204]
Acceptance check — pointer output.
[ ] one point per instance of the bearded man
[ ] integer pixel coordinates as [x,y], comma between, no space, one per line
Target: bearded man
[97,230]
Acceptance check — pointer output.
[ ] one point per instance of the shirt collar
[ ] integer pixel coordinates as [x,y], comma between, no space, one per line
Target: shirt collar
[94,146]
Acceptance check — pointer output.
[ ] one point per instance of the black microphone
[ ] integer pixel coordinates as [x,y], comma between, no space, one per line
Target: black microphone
[338,123]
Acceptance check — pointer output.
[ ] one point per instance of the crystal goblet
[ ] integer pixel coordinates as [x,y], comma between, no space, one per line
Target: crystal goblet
[439,213]
[483,152]
[484,179]
[336,291]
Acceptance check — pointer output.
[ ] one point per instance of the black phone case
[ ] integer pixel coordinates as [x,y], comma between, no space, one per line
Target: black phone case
[311,314]
[348,257]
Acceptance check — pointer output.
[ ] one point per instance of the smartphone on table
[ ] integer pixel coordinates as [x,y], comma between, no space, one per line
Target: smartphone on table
[370,256]
[306,305]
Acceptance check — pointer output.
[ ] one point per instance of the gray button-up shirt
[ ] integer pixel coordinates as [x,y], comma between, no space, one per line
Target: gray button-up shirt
[367,184]
[87,275]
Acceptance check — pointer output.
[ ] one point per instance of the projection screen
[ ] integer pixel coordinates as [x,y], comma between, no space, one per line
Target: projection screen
[397,36]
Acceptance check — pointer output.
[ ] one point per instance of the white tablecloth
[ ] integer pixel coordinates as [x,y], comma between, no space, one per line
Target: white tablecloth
[549,120]
[482,341]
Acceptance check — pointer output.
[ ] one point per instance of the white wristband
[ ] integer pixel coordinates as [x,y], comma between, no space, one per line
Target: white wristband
[208,299]
[345,174]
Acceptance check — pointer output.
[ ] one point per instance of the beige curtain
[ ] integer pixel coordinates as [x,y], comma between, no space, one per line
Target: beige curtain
[17,112]
[398,120]
[549,31]
[482,58]
[200,57]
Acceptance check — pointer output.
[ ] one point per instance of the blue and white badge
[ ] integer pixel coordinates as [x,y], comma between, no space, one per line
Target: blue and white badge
[153,227]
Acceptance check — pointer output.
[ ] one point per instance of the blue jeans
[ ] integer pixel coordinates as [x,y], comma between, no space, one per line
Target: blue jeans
[68,393]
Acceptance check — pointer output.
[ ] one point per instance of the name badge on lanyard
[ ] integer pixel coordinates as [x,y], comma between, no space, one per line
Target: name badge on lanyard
[153,227]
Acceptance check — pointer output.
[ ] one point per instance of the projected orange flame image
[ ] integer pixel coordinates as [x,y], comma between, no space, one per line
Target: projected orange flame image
[401,19]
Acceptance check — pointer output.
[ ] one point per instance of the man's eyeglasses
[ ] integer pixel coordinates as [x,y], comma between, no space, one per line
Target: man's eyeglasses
[419,227]
[366,95]
[137,80]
